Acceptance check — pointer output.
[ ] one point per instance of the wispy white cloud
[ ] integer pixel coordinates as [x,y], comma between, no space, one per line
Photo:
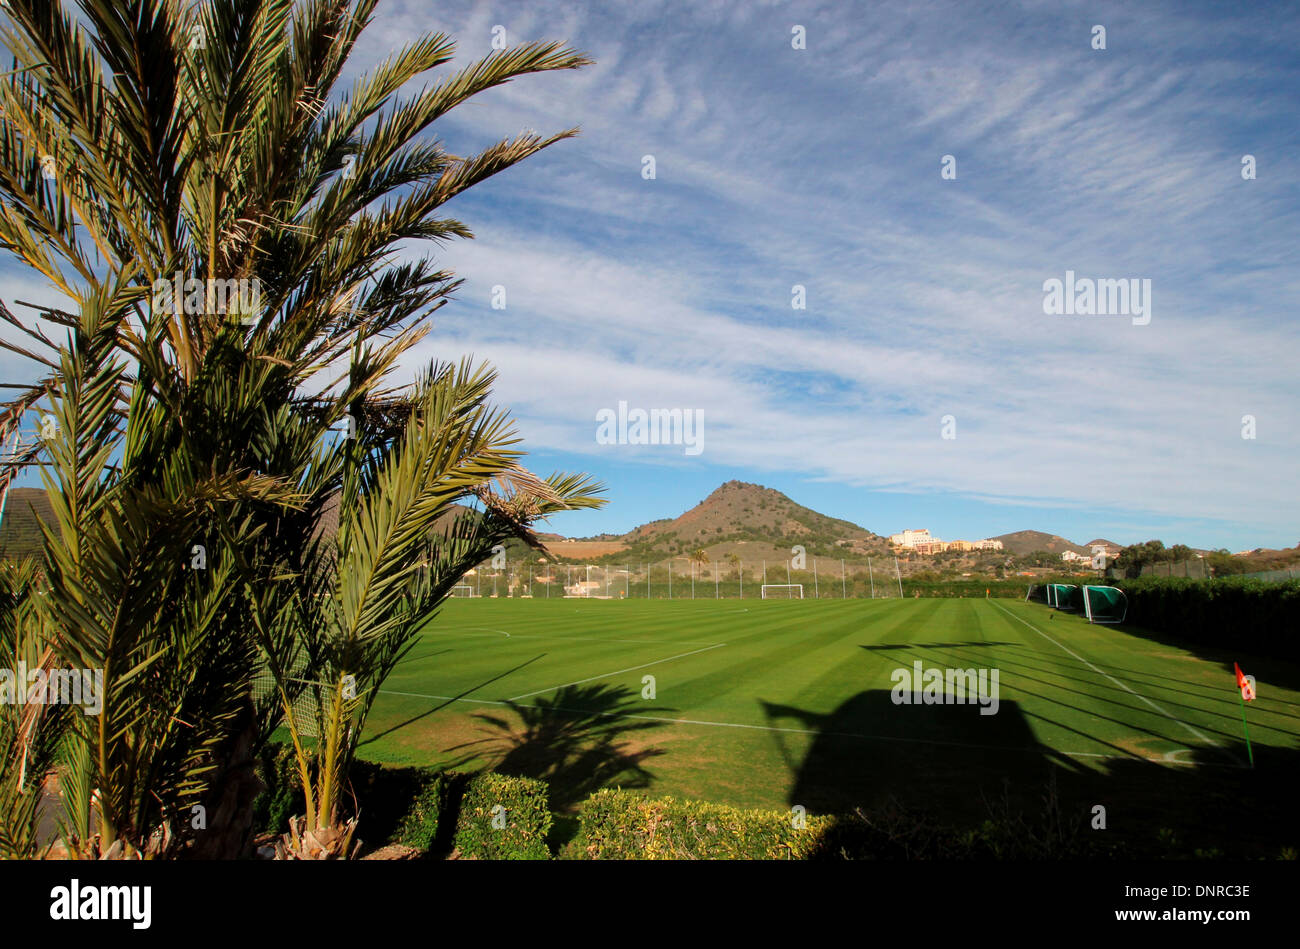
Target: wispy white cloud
[820,167]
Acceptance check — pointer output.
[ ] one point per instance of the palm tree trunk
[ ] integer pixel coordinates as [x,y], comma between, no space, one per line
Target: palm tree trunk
[228,834]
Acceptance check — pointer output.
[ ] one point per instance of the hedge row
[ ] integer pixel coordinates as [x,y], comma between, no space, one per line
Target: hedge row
[621,825]
[1014,589]
[485,816]
[490,816]
[1255,615]
[1246,613]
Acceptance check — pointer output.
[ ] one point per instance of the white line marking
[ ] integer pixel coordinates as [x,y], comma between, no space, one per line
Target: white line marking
[606,675]
[1201,735]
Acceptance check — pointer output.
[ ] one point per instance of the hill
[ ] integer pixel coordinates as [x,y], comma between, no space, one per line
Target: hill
[1027,542]
[747,520]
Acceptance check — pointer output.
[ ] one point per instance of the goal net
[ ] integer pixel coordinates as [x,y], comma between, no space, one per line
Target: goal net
[782,591]
[1064,596]
[306,702]
[1105,604]
[462,589]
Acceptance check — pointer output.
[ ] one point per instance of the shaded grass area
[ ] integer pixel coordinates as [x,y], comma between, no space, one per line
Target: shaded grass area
[773,704]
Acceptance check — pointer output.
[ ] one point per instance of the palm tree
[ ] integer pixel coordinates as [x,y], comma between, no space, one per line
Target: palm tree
[243,304]
[28,732]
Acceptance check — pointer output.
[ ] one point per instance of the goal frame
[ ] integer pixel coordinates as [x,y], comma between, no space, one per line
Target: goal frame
[1055,592]
[469,591]
[1087,603]
[763,588]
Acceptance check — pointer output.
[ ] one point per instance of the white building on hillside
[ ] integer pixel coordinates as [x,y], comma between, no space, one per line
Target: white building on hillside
[913,538]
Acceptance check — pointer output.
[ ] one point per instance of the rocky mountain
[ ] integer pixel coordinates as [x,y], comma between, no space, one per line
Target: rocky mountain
[1027,542]
[747,520]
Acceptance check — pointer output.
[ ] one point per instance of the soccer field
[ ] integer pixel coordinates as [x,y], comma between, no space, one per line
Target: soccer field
[776,703]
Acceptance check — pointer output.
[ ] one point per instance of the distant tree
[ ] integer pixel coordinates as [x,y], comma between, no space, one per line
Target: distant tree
[1133,558]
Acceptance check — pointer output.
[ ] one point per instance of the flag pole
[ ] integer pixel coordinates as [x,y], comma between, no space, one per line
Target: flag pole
[1250,754]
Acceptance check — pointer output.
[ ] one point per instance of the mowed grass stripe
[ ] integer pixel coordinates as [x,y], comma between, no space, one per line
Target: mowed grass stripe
[1064,710]
[730,682]
[1073,705]
[1136,714]
[1198,689]
[798,669]
[864,666]
[515,664]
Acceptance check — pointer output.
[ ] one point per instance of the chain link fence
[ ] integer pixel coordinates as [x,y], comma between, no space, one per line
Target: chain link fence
[687,579]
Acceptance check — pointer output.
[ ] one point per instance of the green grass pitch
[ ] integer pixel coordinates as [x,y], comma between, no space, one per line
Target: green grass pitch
[777,703]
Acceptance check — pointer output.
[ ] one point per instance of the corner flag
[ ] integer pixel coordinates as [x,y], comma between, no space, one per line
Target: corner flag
[1245,683]
[1247,686]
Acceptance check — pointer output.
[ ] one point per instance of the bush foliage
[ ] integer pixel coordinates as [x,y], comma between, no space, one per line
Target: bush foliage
[1228,612]
[621,825]
[517,831]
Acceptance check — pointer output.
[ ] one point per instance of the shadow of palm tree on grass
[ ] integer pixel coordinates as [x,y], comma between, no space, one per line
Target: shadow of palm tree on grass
[575,741]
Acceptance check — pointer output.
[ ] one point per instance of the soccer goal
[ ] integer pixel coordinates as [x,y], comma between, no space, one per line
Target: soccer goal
[1105,604]
[1063,596]
[462,589]
[781,591]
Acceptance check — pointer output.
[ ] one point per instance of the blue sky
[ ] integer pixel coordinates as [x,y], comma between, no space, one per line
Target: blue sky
[821,167]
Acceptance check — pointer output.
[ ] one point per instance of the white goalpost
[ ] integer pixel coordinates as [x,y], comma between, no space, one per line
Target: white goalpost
[1104,604]
[781,591]
[462,589]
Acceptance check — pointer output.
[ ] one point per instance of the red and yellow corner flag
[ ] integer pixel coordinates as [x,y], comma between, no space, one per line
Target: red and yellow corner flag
[1246,685]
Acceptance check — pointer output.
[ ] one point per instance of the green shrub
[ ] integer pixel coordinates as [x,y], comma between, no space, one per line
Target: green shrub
[396,802]
[282,797]
[621,825]
[419,826]
[971,588]
[526,818]
[1227,612]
